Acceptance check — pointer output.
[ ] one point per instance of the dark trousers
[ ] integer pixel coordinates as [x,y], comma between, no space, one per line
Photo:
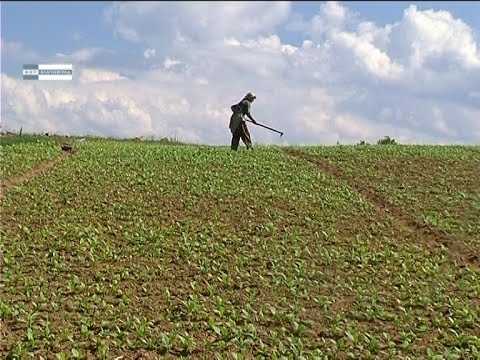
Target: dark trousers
[241,133]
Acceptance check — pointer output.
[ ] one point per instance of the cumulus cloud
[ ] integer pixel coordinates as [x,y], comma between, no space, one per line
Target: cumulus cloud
[97,75]
[167,24]
[371,59]
[414,79]
[99,103]
[423,37]
[332,17]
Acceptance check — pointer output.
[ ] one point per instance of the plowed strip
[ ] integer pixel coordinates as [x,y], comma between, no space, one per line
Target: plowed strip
[458,249]
[34,172]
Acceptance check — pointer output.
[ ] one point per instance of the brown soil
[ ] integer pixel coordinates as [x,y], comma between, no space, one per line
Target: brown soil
[459,250]
[32,173]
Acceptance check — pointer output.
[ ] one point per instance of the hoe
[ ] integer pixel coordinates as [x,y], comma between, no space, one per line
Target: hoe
[266,127]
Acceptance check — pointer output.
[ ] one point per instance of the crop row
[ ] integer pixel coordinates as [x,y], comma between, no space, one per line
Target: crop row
[438,185]
[130,248]
[18,158]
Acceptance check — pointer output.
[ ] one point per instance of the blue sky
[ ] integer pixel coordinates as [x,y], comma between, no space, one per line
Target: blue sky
[49,27]
[311,53]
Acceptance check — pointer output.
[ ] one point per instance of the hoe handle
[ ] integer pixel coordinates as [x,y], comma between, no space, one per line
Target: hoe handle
[266,127]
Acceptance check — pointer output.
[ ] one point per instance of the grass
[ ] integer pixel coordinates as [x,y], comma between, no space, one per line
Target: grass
[199,252]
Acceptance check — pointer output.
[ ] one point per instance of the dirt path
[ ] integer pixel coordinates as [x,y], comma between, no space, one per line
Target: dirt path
[458,249]
[34,172]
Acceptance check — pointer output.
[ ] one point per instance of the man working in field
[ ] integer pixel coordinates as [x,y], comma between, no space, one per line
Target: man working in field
[238,126]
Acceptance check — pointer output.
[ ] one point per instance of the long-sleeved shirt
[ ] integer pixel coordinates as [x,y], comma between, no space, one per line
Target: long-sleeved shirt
[239,111]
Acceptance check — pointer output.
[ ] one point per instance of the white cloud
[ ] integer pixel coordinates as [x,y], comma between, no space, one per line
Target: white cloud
[15,50]
[148,53]
[201,81]
[429,35]
[370,58]
[166,25]
[169,63]
[439,122]
[331,17]
[40,106]
[96,75]
[350,81]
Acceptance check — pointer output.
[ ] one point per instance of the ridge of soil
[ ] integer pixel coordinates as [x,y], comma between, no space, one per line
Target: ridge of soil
[32,173]
[458,249]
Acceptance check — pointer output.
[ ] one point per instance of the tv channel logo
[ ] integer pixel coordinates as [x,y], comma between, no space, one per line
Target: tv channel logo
[48,72]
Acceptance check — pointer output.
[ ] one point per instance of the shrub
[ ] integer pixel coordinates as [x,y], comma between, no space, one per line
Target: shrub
[387,141]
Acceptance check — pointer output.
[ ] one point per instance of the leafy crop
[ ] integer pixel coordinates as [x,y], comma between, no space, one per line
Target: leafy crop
[20,157]
[437,185]
[132,249]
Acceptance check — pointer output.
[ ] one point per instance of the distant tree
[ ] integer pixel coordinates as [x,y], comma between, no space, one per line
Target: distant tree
[387,141]
[362,143]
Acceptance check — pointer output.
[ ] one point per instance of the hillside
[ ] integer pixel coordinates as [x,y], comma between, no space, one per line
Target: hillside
[144,249]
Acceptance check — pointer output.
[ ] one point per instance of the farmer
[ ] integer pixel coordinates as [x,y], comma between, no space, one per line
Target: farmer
[238,126]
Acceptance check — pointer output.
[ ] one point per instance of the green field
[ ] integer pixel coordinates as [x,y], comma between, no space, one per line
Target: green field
[148,250]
